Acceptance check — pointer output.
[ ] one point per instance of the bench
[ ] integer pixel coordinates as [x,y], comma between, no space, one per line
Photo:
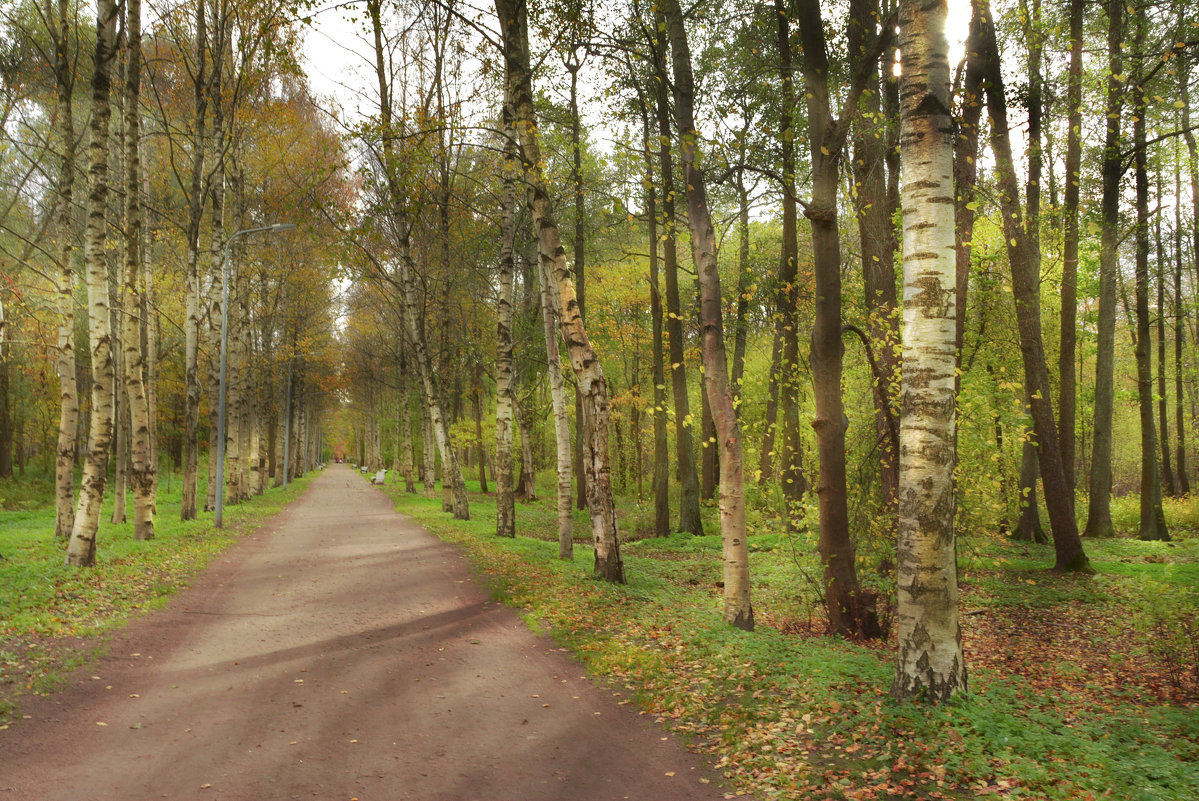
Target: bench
[379,477]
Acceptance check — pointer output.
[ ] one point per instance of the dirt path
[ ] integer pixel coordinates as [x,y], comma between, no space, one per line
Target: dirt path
[342,652]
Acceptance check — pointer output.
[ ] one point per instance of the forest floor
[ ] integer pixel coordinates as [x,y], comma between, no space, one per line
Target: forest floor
[340,651]
[1081,687]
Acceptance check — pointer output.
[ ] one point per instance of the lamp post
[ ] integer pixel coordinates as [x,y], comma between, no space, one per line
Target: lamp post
[220,425]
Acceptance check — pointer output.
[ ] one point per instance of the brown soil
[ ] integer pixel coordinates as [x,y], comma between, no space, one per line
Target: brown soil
[340,653]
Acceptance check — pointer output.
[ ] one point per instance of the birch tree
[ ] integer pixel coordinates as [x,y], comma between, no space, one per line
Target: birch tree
[738,609]
[58,22]
[931,663]
[142,470]
[589,374]
[81,550]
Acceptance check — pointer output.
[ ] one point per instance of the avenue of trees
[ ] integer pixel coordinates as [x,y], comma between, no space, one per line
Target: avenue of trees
[791,259]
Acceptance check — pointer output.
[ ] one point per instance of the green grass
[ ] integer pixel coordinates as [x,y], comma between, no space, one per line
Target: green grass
[52,616]
[809,716]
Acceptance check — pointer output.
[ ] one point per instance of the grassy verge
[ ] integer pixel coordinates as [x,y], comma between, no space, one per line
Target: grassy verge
[54,618]
[1070,692]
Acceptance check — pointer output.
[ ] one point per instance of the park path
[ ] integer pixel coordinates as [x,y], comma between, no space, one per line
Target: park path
[342,652]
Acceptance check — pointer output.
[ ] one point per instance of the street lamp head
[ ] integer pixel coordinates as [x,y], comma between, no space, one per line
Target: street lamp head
[283,227]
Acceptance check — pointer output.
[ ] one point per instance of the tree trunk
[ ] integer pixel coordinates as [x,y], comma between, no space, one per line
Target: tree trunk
[851,610]
[409,296]
[1028,525]
[526,485]
[744,280]
[689,517]
[1024,259]
[580,276]
[428,453]
[405,414]
[142,470]
[120,413]
[1067,352]
[589,374]
[561,421]
[877,247]
[1153,520]
[738,611]
[1184,483]
[1169,485]
[191,326]
[931,664]
[68,414]
[791,475]
[1099,500]
[505,523]
[81,550]
[661,480]
[1193,152]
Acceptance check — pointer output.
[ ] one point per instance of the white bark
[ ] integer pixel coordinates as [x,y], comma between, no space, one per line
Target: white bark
[931,664]
[81,550]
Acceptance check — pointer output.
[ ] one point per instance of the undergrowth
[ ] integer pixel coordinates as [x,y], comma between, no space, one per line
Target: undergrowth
[1070,696]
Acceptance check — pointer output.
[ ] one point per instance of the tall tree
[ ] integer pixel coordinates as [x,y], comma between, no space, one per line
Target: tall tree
[197,190]
[661,480]
[689,517]
[851,609]
[142,470]
[64,128]
[1099,499]
[1067,350]
[409,295]
[505,524]
[738,610]
[791,476]
[81,550]
[1153,519]
[513,22]
[1024,260]
[931,663]
[877,242]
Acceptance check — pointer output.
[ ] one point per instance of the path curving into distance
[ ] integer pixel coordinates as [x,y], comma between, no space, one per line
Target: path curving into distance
[341,652]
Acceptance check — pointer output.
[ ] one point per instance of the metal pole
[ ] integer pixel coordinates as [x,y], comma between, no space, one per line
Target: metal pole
[220,424]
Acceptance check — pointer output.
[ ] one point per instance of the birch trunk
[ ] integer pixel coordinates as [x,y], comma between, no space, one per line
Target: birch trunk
[142,470]
[738,611]
[428,454]
[406,433]
[191,324]
[68,410]
[409,296]
[566,526]
[505,523]
[81,550]
[930,663]
[592,385]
